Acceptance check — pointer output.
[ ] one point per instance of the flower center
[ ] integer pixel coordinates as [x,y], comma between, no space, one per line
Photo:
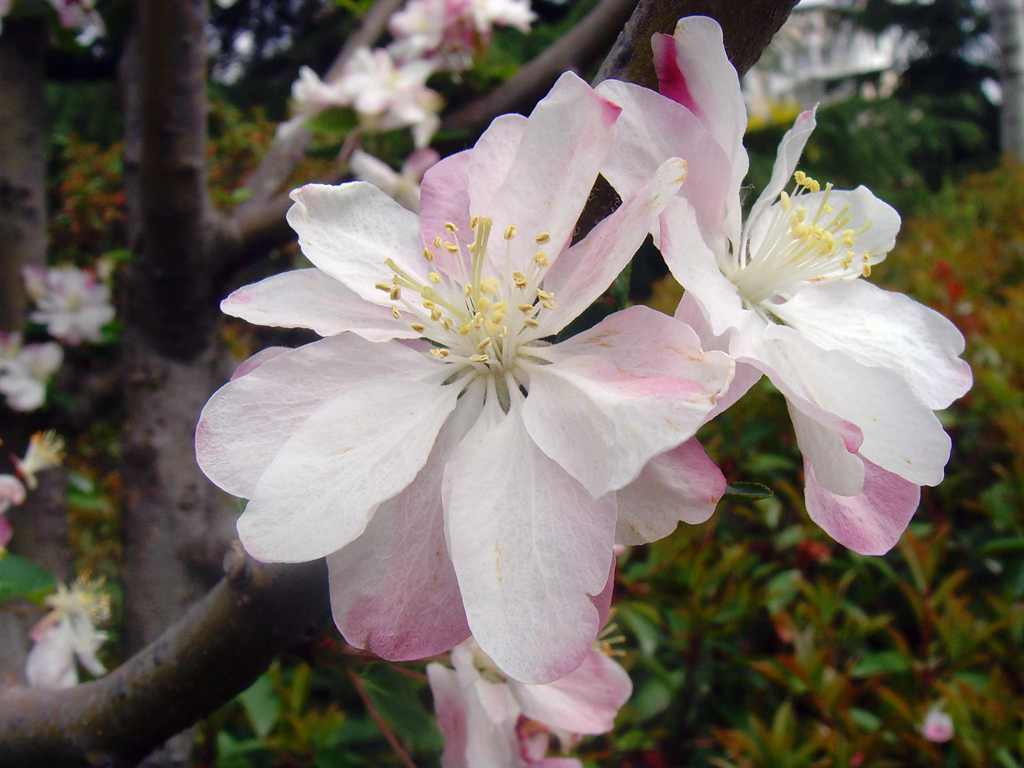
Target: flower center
[804,241]
[486,319]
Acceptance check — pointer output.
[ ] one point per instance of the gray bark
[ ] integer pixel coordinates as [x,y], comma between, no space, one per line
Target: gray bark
[1008,29]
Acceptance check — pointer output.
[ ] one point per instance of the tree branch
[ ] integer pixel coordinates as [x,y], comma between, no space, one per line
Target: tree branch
[574,50]
[216,651]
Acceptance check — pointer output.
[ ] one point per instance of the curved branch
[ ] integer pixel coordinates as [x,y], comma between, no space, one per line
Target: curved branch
[216,651]
[574,50]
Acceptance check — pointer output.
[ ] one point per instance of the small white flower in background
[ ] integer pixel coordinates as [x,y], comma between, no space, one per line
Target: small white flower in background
[490,720]
[68,634]
[937,726]
[452,31]
[24,371]
[403,186]
[71,302]
[387,95]
[81,15]
[862,368]
[12,494]
[45,451]
[310,97]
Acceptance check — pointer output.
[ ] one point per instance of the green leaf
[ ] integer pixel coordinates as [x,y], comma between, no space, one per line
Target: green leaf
[397,699]
[881,663]
[21,578]
[866,720]
[333,122]
[748,490]
[647,633]
[261,705]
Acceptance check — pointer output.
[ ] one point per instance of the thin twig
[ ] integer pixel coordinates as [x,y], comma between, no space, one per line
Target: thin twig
[382,724]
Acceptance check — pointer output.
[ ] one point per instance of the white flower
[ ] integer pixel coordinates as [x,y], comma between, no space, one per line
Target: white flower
[462,473]
[68,633]
[72,304]
[24,371]
[310,97]
[862,369]
[404,187]
[45,451]
[388,96]
[81,15]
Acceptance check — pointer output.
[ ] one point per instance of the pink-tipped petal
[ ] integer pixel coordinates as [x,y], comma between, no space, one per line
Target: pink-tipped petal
[584,701]
[309,298]
[450,706]
[253,362]
[683,484]
[871,522]
[632,387]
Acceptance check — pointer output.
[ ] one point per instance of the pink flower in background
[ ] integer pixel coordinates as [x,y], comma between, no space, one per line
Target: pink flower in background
[68,634]
[12,494]
[862,369]
[45,451]
[490,720]
[81,15]
[403,186]
[461,473]
[25,370]
[937,726]
[72,304]
[389,95]
[452,31]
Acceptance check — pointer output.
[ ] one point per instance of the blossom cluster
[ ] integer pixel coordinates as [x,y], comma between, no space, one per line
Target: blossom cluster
[45,451]
[79,15]
[467,471]
[387,87]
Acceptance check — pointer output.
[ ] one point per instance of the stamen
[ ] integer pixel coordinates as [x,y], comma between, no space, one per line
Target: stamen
[543,237]
[510,231]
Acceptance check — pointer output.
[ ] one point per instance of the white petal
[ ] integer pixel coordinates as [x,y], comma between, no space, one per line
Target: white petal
[450,707]
[530,548]
[634,386]
[308,298]
[51,662]
[680,485]
[822,443]
[350,230]
[585,271]
[885,329]
[393,590]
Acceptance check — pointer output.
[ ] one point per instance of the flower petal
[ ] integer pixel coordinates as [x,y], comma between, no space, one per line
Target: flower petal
[567,137]
[634,386]
[51,662]
[451,714]
[585,271]
[683,484]
[394,590]
[308,298]
[830,445]
[884,329]
[530,548]
[786,159]
[871,522]
[652,129]
[350,230]
[584,701]
[696,268]
[253,362]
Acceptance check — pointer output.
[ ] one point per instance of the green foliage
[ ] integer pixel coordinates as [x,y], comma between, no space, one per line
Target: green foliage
[22,579]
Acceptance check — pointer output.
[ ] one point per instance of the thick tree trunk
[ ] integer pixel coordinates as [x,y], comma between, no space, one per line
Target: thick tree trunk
[41,527]
[1008,28]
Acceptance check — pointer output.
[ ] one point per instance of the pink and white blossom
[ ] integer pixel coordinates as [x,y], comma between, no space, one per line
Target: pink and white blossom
[452,31]
[862,368]
[403,186]
[71,302]
[490,720]
[45,451]
[310,97]
[25,371]
[68,634]
[80,15]
[937,726]
[388,95]
[461,473]
[12,494]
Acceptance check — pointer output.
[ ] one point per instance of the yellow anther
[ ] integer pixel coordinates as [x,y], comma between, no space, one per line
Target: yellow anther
[519,279]
[441,353]
[510,231]
[446,323]
[490,285]
[437,241]
[525,308]
[484,304]
[848,237]
[531,322]
[800,177]
[542,294]
[478,320]
[543,237]
[540,259]
[479,358]
[450,226]
[867,269]
[473,222]
[451,247]
[484,344]
[396,293]
[465,328]
[784,199]
[434,277]
[386,287]
[418,327]
[813,185]
[395,313]
[435,314]
[428,254]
